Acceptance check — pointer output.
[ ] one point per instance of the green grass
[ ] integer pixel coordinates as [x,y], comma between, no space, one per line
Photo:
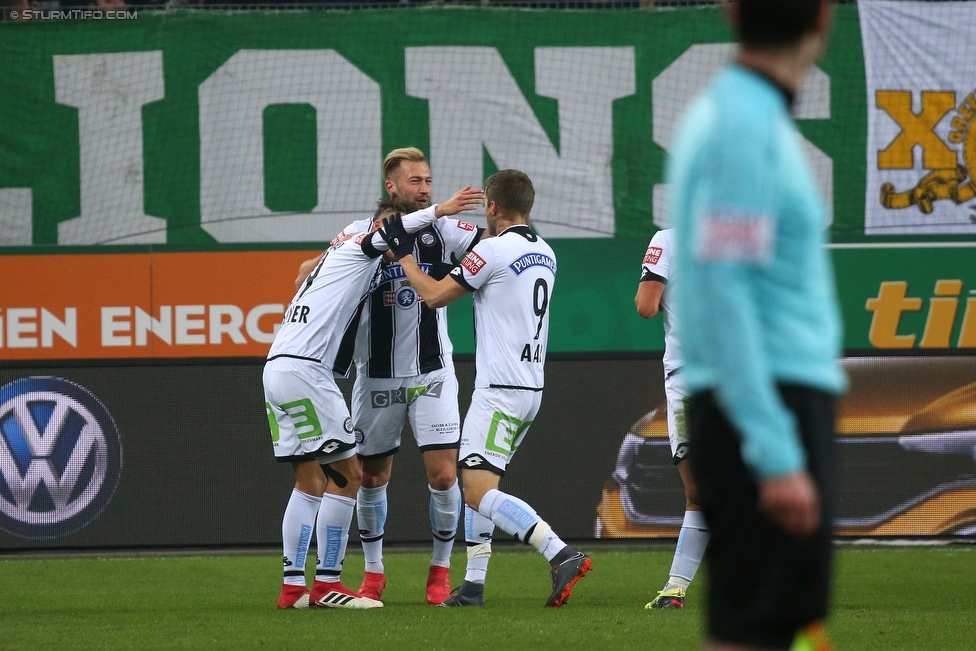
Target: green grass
[885,599]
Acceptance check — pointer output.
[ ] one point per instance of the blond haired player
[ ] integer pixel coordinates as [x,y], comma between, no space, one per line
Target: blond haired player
[309,421]
[405,371]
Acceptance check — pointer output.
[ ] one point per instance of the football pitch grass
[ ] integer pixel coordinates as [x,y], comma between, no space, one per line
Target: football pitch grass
[885,598]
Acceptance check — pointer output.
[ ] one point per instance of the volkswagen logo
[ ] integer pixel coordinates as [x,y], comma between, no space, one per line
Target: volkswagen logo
[60,457]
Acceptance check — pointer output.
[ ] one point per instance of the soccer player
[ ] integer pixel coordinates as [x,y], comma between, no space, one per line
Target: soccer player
[511,275]
[404,369]
[653,296]
[760,333]
[310,424]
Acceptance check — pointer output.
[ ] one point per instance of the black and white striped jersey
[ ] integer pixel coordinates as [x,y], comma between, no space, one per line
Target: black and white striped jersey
[399,336]
[320,322]
[512,277]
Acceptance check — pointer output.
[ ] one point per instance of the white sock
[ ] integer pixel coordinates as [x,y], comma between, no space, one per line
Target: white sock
[692,541]
[445,508]
[513,516]
[296,534]
[371,515]
[477,534]
[332,534]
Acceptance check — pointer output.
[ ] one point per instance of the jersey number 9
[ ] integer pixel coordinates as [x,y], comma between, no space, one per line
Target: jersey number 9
[540,302]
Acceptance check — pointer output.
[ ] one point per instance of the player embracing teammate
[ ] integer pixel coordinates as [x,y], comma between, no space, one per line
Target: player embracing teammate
[309,421]
[511,276]
[405,371]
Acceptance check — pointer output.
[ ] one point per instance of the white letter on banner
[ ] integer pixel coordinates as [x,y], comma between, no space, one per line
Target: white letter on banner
[475,104]
[21,321]
[67,329]
[252,324]
[680,83]
[184,324]
[161,327]
[231,327]
[112,324]
[109,91]
[348,118]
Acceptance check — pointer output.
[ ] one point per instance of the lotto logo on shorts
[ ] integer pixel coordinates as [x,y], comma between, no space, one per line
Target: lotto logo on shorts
[473,263]
[465,226]
[653,255]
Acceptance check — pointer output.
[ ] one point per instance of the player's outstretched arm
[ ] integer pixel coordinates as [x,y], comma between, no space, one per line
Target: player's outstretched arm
[463,200]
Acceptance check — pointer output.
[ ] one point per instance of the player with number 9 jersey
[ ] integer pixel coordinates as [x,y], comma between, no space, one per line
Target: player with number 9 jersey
[512,277]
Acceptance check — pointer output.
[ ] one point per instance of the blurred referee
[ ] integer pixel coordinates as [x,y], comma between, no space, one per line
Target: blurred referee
[755,295]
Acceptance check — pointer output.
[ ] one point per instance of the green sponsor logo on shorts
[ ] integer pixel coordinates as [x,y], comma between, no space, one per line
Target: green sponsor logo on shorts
[303,417]
[272,423]
[681,422]
[415,392]
[505,433]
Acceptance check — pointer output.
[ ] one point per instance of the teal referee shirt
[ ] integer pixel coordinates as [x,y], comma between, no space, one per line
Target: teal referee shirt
[755,289]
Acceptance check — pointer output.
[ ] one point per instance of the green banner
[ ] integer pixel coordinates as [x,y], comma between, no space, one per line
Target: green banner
[205,128]
[212,131]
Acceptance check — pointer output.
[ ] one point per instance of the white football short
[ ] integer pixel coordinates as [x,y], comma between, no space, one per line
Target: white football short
[429,400]
[494,427]
[306,412]
[677,394]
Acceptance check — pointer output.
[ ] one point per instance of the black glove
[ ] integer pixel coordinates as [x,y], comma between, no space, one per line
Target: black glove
[400,243]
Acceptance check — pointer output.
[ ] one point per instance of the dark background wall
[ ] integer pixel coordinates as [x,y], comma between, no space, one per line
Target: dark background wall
[198,467]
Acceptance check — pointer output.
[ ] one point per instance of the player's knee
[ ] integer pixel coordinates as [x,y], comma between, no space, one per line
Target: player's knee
[373,481]
[375,472]
[309,479]
[442,478]
[354,475]
[311,485]
[692,502]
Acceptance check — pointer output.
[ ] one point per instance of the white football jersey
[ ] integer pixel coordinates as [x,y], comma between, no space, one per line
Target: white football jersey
[512,277]
[399,336]
[327,303]
[657,266]
[320,322]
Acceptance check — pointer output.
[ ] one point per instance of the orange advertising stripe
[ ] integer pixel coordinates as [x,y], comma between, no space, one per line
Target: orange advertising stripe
[145,305]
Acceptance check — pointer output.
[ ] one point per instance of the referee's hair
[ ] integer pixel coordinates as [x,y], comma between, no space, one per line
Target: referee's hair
[512,191]
[776,23]
[397,156]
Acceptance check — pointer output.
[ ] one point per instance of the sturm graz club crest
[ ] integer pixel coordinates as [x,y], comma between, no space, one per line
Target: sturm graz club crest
[60,457]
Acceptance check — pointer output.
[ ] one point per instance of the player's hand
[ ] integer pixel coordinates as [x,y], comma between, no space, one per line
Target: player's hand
[466,199]
[400,243]
[791,502]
